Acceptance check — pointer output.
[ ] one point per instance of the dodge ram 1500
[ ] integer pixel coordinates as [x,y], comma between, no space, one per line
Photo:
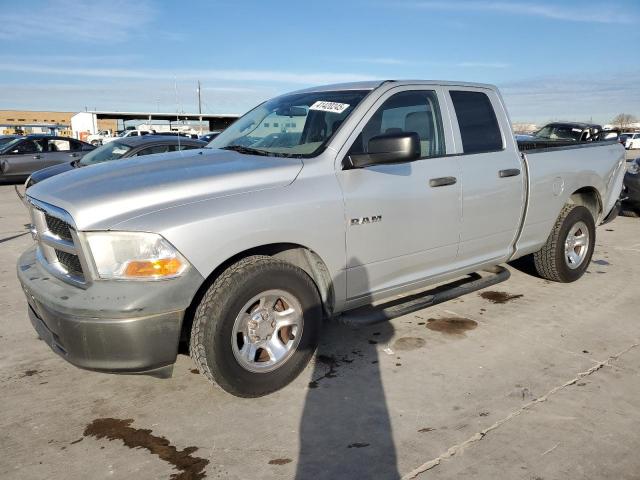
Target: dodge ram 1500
[312,204]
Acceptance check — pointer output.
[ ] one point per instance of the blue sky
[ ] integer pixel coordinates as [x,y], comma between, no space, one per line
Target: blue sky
[552,60]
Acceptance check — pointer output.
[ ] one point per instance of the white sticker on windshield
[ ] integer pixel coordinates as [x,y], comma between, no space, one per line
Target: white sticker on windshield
[333,107]
[576,129]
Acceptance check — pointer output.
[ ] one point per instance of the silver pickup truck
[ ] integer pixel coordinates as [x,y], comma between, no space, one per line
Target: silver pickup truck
[312,204]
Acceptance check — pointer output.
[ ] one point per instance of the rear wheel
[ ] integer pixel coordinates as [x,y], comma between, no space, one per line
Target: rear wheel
[567,253]
[257,326]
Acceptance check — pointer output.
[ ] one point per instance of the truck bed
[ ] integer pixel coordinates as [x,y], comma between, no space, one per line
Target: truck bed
[528,145]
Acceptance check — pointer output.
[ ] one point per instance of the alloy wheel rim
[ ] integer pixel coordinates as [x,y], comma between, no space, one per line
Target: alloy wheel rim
[267,331]
[576,245]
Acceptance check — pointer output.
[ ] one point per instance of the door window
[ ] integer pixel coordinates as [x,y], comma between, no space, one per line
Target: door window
[412,111]
[58,145]
[152,150]
[75,145]
[478,124]
[26,147]
[175,148]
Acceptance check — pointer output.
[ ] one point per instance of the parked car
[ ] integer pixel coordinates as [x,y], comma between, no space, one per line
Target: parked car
[207,137]
[631,189]
[24,155]
[566,131]
[97,139]
[632,140]
[126,147]
[125,134]
[392,186]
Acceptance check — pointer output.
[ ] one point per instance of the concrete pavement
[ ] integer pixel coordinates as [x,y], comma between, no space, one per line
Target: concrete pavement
[542,386]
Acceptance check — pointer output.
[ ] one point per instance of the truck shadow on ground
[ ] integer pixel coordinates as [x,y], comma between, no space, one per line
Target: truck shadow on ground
[345,431]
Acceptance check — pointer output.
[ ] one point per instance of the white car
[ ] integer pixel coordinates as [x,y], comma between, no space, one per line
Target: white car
[633,140]
[126,133]
[98,139]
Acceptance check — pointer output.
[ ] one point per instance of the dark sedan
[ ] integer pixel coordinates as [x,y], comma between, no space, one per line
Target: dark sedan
[631,189]
[23,155]
[120,149]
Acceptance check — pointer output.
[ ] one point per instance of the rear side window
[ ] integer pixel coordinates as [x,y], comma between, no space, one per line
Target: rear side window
[478,123]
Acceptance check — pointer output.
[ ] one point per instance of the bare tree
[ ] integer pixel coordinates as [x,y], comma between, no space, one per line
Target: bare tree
[623,120]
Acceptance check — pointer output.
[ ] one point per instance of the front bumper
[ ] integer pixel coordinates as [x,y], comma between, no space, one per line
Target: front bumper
[110,326]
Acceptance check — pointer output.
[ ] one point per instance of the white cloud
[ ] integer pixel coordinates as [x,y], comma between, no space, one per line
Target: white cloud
[133,95]
[409,63]
[577,97]
[575,12]
[482,65]
[297,78]
[79,20]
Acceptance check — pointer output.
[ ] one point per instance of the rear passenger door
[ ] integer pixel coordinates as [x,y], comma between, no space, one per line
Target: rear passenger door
[58,150]
[492,178]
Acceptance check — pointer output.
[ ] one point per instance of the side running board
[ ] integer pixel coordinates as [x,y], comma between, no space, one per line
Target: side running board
[380,313]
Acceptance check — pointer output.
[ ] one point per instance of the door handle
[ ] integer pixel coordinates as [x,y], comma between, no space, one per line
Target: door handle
[37,157]
[509,172]
[73,154]
[442,181]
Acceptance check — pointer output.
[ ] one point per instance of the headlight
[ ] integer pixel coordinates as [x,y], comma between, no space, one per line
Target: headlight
[633,167]
[134,256]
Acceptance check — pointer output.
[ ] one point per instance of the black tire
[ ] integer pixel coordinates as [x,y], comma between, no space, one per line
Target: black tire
[550,260]
[212,330]
[628,212]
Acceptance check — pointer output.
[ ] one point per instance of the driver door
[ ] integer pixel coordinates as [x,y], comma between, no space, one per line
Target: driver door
[403,219]
[24,159]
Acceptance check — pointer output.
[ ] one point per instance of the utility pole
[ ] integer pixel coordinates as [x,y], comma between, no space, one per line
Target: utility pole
[199,108]
[199,99]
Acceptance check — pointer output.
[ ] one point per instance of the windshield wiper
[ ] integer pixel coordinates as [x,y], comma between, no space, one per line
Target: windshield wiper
[247,150]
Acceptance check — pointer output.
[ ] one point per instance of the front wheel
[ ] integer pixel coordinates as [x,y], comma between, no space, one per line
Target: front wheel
[257,326]
[567,253]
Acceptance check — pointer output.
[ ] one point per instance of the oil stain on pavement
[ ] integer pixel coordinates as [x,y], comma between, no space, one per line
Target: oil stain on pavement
[499,297]
[332,362]
[190,467]
[409,343]
[451,325]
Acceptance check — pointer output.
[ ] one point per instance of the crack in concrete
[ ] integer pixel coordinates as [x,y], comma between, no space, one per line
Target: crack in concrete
[455,449]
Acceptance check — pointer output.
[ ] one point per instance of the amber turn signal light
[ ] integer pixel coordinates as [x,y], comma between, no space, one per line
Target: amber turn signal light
[164,267]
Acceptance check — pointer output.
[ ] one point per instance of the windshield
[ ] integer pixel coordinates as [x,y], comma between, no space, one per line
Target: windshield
[559,132]
[5,140]
[295,125]
[9,145]
[109,151]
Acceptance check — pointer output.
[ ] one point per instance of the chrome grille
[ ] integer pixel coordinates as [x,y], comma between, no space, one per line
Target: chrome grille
[58,227]
[59,248]
[70,262]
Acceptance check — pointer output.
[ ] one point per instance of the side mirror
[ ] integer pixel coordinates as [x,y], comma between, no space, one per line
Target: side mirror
[397,147]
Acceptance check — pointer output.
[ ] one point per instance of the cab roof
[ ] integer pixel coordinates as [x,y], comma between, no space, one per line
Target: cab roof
[373,84]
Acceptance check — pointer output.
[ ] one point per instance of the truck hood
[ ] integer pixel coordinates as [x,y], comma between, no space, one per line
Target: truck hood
[103,195]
